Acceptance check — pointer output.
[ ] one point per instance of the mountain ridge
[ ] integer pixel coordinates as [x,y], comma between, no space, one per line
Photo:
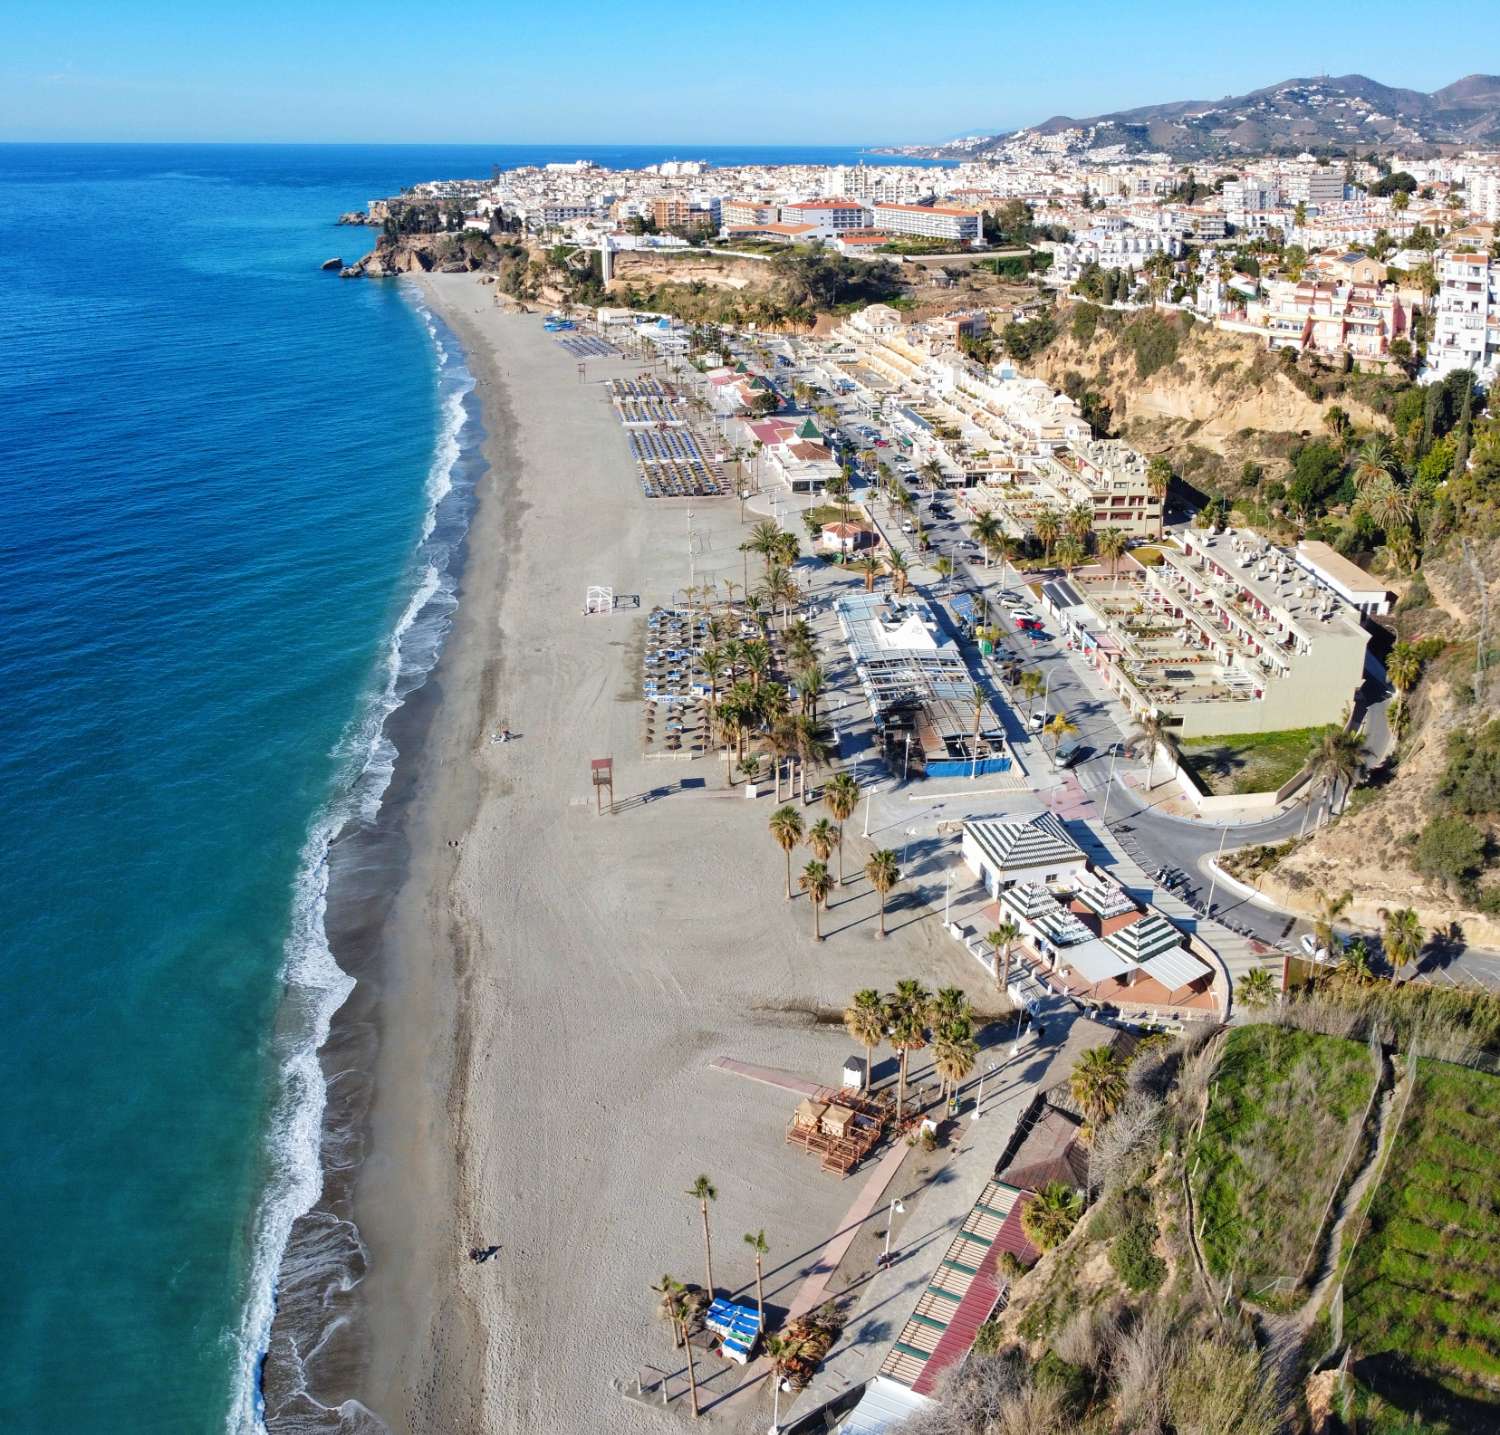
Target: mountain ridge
[1344,112]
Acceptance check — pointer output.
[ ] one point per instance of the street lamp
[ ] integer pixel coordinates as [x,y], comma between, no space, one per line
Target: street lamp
[979,1100]
[1015,1045]
[1214,882]
[1109,786]
[896,1208]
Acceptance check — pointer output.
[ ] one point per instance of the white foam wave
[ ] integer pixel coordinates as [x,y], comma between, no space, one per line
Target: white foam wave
[316,987]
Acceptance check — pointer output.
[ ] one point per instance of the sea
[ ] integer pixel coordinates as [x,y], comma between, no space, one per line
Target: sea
[233,497]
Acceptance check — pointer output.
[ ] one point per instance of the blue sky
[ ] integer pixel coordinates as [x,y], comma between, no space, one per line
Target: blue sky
[874,72]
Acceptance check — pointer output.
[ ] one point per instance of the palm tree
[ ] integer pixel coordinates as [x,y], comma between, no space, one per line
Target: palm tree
[1330,909]
[786,828]
[670,1290]
[822,838]
[815,882]
[948,1006]
[908,1006]
[1070,552]
[756,1240]
[841,796]
[810,684]
[1403,668]
[900,574]
[1339,759]
[703,1191]
[981,701]
[988,534]
[755,654]
[1049,1217]
[883,873]
[1003,939]
[713,667]
[1402,936]
[1111,545]
[680,1302]
[953,1053]
[1032,685]
[869,568]
[782,1350]
[1047,525]
[865,1019]
[1256,989]
[1159,483]
[1097,1084]
[764,539]
[811,749]
[1058,728]
[1373,462]
[1079,522]
[1151,733]
[944,568]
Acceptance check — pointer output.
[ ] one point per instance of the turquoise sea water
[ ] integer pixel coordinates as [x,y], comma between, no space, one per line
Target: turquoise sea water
[219,468]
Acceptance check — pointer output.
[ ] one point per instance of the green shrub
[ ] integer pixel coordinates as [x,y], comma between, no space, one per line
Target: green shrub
[1450,848]
[1152,338]
[1085,321]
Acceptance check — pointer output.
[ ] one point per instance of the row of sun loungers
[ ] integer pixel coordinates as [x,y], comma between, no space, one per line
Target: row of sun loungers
[651,411]
[585,346]
[737,1326]
[641,388]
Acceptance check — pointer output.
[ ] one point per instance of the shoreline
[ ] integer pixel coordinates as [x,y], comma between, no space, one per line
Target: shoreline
[319,1334]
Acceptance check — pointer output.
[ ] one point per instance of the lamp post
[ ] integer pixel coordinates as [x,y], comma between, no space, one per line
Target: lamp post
[869,798]
[1214,881]
[979,1100]
[1015,1045]
[1109,786]
[895,1209]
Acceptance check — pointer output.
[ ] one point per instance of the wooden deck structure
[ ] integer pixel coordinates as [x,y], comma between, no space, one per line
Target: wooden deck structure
[838,1126]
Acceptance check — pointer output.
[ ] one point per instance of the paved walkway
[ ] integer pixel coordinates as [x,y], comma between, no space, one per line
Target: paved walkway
[768,1076]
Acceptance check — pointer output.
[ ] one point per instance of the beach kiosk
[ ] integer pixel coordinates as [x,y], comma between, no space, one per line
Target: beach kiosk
[854,1073]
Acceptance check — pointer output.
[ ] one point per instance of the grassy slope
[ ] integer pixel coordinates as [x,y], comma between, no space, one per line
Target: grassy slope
[1422,1293]
[1249,762]
[1284,1110]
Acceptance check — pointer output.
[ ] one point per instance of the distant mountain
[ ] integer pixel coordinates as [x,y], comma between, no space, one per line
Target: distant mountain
[1350,112]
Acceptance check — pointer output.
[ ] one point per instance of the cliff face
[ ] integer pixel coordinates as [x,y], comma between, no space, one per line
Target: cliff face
[458,253]
[1208,400]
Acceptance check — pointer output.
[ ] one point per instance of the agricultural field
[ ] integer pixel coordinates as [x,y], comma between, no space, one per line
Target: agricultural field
[1284,1112]
[1422,1292]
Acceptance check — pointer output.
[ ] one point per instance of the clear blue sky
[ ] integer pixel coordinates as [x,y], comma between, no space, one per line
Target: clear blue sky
[872,72]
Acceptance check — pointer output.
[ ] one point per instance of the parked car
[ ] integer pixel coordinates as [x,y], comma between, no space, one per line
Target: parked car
[1311,949]
[1037,721]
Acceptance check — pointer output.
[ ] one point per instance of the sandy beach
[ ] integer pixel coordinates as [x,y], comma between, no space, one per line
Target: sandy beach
[559,982]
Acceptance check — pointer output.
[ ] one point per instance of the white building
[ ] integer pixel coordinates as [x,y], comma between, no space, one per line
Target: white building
[928,221]
[1466,334]
[1001,854]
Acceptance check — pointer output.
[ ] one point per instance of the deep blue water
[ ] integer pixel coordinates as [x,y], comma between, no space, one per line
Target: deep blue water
[219,466]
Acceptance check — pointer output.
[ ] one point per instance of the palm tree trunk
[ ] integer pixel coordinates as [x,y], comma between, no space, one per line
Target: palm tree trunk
[869,1066]
[882,916]
[788,873]
[817,929]
[760,1300]
[901,1086]
[840,876]
[692,1379]
[708,1251]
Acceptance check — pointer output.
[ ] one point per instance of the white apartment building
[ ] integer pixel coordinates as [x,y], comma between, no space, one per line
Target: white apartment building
[1466,334]
[832,216]
[1315,185]
[928,221]
[1228,634]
